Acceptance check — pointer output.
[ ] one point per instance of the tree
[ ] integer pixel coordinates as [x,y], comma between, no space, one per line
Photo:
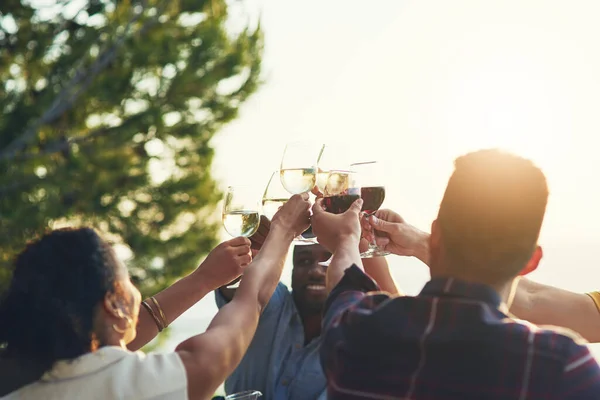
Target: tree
[108,112]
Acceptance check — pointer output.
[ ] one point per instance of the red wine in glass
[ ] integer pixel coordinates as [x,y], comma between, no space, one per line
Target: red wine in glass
[339,204]
[372,198]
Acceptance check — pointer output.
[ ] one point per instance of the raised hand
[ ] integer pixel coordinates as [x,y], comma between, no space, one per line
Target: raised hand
[294,214]
[331,229]
[225,262]
[395,235]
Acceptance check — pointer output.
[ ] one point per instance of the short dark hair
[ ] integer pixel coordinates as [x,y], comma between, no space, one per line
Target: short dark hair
[58,282]
[492,212]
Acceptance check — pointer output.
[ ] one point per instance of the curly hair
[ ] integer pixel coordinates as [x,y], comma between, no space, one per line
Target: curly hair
[49,308]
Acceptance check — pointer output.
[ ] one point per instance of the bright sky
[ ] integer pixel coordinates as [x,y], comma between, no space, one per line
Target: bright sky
[417,83]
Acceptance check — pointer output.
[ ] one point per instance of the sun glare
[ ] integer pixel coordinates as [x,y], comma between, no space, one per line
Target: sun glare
[507,102]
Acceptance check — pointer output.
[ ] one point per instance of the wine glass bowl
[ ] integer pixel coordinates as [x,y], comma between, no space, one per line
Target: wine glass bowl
[298,172]
[275,196]
[241,216]
[372,191]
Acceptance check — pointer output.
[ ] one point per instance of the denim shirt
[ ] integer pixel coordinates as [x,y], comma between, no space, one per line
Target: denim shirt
[277,363]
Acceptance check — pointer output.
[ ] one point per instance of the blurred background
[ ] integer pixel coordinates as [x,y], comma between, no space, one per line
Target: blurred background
[135,116]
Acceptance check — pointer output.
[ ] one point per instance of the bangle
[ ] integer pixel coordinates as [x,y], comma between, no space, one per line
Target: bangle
[153,315]
[160,311]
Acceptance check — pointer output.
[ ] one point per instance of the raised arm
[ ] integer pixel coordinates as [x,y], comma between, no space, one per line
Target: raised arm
[210,357]
[256,241]
[223,264]
[378,269]
[340,234]
[549,305]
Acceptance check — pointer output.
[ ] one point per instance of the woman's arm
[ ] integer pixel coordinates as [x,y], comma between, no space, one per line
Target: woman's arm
[210,357]
[223,264]
[549,305]
[378,269]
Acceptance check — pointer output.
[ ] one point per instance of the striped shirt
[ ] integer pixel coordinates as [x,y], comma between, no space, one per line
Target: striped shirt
[452,341]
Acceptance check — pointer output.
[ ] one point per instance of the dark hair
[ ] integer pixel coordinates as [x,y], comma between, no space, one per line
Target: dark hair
[491,214]
[59,280]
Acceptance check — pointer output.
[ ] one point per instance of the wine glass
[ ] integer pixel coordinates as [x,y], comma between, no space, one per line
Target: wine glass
[332,171]
[372,190]
[275,196]
[241,215]
[298,170]
[341,191]
[247,395]
[298,174]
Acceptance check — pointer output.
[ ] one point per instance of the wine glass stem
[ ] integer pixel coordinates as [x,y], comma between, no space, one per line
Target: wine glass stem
[373,243]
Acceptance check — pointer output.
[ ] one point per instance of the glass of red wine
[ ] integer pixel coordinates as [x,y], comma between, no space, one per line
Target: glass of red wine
[369,177]
[340,191]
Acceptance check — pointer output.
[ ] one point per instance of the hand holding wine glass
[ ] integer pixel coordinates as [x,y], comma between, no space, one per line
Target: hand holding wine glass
[225,263]
[298,174]
[372,191]
[332,228]
[294,215]
[241,217]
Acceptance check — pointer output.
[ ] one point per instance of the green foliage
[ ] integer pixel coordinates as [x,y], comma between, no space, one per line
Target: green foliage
[108,112]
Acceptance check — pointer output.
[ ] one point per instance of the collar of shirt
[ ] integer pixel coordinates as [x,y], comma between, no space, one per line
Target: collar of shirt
[452,287]
[85,364]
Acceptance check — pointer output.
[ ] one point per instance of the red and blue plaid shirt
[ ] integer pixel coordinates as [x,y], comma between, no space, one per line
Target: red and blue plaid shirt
[449,342]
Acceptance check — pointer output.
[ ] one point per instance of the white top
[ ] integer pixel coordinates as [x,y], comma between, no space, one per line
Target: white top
[111,373]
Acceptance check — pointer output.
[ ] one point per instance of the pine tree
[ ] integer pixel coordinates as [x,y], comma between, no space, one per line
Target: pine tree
[107,115]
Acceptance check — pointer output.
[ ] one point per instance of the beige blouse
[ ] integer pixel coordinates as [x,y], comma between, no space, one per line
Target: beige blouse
[111,373]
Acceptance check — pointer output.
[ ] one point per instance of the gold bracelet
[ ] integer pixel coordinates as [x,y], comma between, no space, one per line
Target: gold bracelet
[160,311]
[153,315]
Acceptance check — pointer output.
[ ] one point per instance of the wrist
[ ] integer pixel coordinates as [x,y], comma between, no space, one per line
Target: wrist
[200,283]
[282,230]
[347,242]
[421,249]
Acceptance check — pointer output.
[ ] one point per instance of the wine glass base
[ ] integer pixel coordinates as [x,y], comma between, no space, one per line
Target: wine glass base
[374,252]
[302,241]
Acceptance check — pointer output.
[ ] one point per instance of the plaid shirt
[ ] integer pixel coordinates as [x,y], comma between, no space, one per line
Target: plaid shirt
[449,342]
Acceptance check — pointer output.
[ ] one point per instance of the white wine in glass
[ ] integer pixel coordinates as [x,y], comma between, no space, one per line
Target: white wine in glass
[333,170]
[241,223]
[274,197]
[298,170]
[241,216]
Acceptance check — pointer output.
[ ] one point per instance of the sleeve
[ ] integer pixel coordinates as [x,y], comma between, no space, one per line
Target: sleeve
[275,302]
[349,290]
[581,376]
[154,375]
[596,298]
[347,305]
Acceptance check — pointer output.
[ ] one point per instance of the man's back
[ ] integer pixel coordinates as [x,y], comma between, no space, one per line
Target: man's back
[450,342]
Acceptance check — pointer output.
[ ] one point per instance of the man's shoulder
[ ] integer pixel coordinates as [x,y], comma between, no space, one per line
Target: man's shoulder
[556,340]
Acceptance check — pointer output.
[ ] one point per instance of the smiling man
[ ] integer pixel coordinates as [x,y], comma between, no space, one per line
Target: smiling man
[283,358]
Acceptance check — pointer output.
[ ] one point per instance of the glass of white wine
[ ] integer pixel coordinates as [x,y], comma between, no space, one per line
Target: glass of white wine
[276,196]
[241,216]
[247,395]
[298,170]
[333,171]
[298,174]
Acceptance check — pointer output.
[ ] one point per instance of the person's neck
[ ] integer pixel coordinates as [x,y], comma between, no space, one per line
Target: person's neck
[311,321]
[504,289]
